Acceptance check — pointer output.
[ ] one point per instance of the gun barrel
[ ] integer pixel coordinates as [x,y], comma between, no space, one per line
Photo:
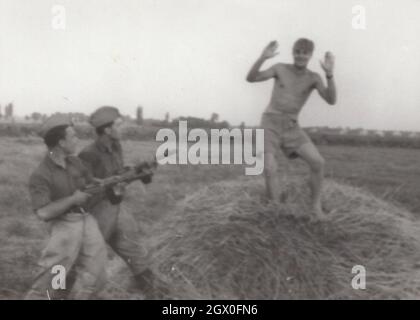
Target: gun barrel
[112,181]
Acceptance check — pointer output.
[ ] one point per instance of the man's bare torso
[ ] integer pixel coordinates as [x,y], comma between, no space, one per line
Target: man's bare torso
[291,90]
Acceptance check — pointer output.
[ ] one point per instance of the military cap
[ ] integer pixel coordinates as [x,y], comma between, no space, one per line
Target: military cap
[104,115]
[53,121]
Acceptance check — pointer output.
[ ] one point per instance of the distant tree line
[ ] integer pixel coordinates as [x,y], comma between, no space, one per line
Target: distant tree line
[132,131]
[146,129]
[365,140]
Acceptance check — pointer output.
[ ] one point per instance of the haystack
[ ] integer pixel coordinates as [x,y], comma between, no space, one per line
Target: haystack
[225,242]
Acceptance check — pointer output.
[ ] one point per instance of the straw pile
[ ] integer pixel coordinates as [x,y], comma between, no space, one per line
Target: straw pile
[225,242]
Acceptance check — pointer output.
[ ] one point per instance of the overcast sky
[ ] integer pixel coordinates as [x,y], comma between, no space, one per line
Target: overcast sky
[191,57]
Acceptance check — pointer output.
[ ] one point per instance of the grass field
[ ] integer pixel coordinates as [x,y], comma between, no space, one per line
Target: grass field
[389,173]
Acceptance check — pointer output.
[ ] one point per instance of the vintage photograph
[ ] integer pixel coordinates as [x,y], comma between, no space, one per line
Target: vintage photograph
[209,150]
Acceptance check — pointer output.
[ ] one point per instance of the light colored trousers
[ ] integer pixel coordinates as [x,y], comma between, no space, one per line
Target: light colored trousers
[76,244]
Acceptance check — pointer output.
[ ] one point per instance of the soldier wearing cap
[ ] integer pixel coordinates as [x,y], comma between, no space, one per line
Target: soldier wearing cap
[75,242]
[104,158]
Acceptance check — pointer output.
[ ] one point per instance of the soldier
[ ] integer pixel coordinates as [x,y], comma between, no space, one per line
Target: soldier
[75,241]
[104,158]
[292,87]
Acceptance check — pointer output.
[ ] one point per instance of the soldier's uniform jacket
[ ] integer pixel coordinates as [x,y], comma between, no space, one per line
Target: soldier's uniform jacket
[103,157]
[51,182]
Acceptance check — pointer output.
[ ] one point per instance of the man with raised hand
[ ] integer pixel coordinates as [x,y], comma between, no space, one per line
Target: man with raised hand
[293,83]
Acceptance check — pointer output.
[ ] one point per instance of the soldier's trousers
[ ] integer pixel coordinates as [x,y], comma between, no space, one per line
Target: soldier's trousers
[121,232]
[75,244]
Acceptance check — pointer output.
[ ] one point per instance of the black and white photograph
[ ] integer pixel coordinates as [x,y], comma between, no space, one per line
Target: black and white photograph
[233,150]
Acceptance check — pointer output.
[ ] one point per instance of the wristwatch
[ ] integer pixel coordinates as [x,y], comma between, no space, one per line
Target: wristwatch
[329,76]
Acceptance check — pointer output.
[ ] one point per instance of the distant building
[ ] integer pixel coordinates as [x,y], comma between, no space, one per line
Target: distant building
[378,133]
[360,132]
[343,131]
[152,123]
[313,130]
[414,135]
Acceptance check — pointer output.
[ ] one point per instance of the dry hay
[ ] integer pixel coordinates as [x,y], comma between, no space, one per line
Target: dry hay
[224,242]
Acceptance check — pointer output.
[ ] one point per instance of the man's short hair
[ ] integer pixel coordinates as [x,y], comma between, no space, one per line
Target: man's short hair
[305,44]
[101,129]
[53,136]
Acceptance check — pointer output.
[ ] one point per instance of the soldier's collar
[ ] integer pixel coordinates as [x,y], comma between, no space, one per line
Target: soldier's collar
[105,143]
[55,159]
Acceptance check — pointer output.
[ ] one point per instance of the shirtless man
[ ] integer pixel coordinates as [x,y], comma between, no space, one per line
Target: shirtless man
[292,87]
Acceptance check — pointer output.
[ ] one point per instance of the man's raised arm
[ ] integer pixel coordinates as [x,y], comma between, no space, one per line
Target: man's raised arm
[255,75]
[329,93]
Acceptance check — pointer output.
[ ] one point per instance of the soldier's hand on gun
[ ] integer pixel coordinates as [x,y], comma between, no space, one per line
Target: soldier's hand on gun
[328,64]
[148,178]
[270,50]
[80,197]
[99,182]
[119,188]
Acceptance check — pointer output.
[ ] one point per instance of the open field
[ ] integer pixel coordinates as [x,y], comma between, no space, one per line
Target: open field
[390,174]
